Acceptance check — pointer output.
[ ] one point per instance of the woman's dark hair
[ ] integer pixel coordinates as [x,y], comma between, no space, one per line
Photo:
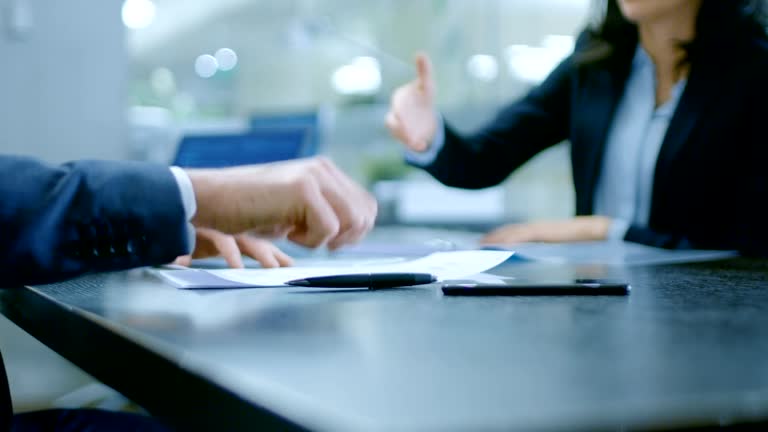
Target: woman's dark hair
[721,23]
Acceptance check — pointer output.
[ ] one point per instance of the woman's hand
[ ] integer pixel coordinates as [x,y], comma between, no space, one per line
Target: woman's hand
[210,243]
[411,118]
[583,228]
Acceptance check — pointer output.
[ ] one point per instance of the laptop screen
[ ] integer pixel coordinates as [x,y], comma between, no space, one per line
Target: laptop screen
[251,147]
[309,120]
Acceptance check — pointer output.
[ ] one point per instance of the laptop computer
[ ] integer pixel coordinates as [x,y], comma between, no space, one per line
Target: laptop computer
[257,145]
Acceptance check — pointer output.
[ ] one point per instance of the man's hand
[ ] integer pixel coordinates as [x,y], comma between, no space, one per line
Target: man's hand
[411,117]
[210,243]
[584,228]
[309,200]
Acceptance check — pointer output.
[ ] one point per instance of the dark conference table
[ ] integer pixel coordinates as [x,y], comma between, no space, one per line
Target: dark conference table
[688,347]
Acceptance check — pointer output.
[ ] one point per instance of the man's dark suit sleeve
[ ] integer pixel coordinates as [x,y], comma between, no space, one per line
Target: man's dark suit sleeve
[518,133]
[59,222]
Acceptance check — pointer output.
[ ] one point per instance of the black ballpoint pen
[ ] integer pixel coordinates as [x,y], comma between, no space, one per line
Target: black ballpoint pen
[366,280]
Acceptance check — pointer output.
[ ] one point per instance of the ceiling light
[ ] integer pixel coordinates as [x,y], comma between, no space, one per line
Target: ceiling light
[206,66]
[138,14]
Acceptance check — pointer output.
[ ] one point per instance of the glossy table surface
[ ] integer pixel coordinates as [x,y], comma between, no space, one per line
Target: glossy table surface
[689,346]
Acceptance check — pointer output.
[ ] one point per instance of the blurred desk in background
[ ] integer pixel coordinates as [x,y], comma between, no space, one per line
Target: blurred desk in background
[422,203]
[687,348]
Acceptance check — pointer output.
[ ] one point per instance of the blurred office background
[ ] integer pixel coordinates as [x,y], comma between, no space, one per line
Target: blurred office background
[129,79]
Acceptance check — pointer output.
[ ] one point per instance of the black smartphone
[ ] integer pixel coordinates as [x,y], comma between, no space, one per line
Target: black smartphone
[514,287]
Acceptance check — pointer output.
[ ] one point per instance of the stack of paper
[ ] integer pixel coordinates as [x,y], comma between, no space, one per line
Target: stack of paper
[443,265]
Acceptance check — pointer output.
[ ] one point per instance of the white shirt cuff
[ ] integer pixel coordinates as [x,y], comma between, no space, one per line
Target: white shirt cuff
[618,230]
[188,201]
[427,157]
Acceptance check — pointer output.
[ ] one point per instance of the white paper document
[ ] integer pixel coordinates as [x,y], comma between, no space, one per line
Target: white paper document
[443,265]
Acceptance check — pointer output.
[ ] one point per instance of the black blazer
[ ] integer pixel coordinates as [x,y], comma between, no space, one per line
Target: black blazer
[59,222]
[711,179]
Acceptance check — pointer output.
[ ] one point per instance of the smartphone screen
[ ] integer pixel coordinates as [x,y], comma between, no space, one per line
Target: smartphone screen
[514,287]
